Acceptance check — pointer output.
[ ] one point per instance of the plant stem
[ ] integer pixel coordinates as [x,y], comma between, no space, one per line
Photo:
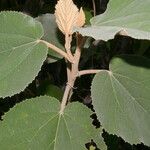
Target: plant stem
[91,71]
[73,73]
[94,8]
[65,98]
[58,50]
[68,39]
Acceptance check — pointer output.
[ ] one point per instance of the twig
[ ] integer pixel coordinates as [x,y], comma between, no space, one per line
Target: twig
[94,7]
[58,50]
[68,39]
[73,72]
[68,70]
[84,72]
[65,98]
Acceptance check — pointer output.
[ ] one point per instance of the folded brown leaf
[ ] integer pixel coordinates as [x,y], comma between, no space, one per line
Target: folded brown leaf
[68,16]
[66,13]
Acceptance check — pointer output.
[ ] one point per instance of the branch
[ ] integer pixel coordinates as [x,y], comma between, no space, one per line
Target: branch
[94,7]
[68,39]
[84,72]
[72,74]
[80,43]
[65,98]
[56,49]
[66,95]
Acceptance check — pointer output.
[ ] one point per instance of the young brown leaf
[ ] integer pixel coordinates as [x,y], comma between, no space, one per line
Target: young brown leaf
[66,13]
[81,18]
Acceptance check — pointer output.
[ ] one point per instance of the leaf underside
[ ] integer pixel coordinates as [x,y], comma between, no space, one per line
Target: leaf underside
[37,124]
[133,16]
[21,56]
[121,98]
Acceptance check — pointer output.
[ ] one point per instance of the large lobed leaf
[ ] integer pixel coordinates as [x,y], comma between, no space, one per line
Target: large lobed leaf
[21,56]
[133,16]
[37,125]
[121,98]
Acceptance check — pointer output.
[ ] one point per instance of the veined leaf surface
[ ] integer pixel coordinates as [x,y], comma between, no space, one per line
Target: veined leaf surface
[121,98]
[37,124]
[21,55]
[131,16]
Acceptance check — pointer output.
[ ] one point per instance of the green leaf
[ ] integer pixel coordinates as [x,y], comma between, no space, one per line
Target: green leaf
[133,16]
[52,35]
[37,124]
[88,15]
[121,98]
[21,56]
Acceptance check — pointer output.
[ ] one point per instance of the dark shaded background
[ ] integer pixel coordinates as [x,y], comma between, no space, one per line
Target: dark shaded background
[97,55]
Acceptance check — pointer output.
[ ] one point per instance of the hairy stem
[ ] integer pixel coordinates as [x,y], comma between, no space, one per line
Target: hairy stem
[73,73]
[58,50]
[91,71]
[68,39]
[68,69]
[65,98]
